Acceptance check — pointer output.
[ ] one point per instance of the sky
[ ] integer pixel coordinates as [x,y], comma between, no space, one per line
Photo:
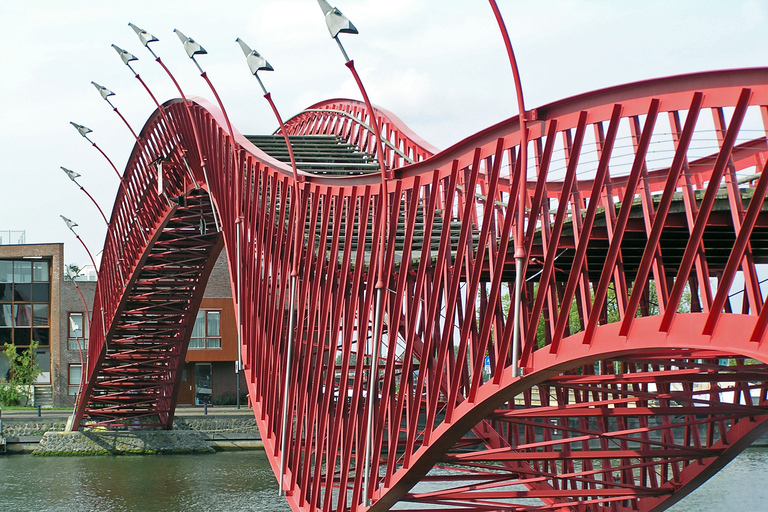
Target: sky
[439,65]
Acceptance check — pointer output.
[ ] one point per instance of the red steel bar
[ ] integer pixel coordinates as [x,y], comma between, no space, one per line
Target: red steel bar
[609,380]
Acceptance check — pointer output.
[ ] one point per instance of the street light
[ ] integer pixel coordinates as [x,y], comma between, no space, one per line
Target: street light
[85,327]
[71,226]
[105,94]
[193,48]
[337,23]
[258,63]
[146,38]
[84,131]
[519,234]
[72,175]
[127,58]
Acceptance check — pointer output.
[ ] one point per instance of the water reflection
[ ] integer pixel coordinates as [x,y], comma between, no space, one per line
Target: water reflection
[243,481]
[739,487]
[236,481]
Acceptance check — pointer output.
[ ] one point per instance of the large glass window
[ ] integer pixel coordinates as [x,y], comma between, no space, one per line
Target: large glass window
[75,374]
[22,271]
[40,271]
[22,315]
[40,314]
[78,332]
[206,332]
[6,271]
[25,301]
[6,315]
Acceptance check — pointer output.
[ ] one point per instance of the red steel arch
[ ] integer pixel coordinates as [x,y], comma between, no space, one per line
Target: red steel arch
[643,319]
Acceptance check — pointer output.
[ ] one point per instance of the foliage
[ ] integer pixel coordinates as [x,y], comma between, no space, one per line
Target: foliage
[9,395]
[23,372]
[71,272]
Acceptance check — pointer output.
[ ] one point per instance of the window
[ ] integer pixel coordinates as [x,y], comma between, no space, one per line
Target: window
[207,331]
[75,374]
[25,301]
[78,332]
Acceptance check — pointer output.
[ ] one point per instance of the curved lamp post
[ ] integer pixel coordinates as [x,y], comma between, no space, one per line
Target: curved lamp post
[83,370]
[127,58]
[193,48]
[337,23]
[72,175]
[105,94]
[84,131]
[146,38]
[519,234]
[71,226]
[258,63]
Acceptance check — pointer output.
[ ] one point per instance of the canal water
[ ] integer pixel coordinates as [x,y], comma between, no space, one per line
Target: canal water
[243,481]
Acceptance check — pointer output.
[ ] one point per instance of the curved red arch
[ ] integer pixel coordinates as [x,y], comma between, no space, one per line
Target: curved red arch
[624,210]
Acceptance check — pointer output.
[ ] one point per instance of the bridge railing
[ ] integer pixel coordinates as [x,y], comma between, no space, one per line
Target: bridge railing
[351,120]
[139,208]
[612,176]
[625,215]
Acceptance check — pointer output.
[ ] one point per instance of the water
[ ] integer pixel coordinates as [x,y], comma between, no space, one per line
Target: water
[738,487]
[232,481]
[243,481]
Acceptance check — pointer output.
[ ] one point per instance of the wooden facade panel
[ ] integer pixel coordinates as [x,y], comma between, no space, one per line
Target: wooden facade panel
[228,350]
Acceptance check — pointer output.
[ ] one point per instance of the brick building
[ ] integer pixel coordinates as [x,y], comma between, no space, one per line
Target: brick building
[209,369]
[37,302]
[30,288]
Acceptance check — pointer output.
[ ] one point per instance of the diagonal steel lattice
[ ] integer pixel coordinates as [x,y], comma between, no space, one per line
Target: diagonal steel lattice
[643,325]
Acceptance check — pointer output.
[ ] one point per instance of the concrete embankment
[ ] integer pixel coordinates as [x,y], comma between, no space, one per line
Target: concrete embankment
[193,432]
[225,429]
[122,443]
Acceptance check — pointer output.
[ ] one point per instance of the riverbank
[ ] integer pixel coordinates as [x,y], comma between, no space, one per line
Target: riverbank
[221,429]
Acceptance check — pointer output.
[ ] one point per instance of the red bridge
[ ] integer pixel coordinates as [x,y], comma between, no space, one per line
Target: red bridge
[642,325]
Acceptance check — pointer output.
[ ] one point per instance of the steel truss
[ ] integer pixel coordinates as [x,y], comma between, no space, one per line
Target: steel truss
[642,359]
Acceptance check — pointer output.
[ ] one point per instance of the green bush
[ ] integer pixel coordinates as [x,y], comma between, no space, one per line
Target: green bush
[9,394]
[23,373]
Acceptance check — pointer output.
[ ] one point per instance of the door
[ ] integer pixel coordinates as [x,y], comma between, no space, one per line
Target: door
[203,383]
[43,360]
[187,387]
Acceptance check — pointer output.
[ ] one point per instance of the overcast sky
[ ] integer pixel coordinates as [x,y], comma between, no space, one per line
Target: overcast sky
[439,65]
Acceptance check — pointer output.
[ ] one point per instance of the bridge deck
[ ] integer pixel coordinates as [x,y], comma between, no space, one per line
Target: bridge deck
[343,159]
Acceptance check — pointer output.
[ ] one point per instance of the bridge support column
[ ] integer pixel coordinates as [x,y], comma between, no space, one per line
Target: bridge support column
[288,362]
[372,392]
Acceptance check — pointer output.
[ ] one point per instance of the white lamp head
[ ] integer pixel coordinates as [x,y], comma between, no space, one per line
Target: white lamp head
[335,20]
[71,225]
[144,36]
[255,61]
[126,56]
[105,93]
[190,45]
[71,174]
[83,130]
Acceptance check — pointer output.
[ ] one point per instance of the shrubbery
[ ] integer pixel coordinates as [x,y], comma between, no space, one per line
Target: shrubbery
[22,374]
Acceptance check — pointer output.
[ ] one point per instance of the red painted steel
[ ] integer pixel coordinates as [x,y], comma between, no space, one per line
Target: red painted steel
[646,240]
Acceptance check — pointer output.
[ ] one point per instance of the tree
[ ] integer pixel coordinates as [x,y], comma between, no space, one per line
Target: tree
[23,372]
[71,272]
